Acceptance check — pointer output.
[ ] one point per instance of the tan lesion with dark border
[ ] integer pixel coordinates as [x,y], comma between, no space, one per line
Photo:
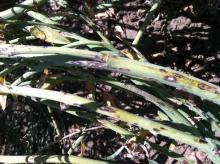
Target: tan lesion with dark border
[177,78]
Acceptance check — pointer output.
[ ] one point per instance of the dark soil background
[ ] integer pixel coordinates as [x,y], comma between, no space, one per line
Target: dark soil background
[181,36]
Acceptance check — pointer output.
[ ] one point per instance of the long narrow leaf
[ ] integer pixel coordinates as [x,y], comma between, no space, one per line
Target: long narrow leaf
[87,104]
[139,69]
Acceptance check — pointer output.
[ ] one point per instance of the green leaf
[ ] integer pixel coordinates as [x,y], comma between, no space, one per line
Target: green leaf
[40,17]
[152,162]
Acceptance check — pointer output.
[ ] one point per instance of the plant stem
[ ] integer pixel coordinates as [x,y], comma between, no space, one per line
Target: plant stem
[146,22]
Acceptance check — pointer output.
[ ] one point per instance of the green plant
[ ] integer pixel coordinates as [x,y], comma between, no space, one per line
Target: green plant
[78,64]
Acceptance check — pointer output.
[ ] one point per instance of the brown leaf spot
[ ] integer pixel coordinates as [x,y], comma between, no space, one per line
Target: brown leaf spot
[207,88]
[148,79]
[156,130]
[178,75]
[162,128]
[109,109]
[163,70]
[200,140]
[123,70]
[170,78]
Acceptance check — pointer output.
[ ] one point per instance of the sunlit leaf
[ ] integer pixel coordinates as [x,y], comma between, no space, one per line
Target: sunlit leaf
[42,84]
[3,97]
[2,37]
[130,54]
[48,34]
[41,17]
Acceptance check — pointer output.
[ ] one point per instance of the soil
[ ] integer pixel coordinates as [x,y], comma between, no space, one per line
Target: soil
[188,42]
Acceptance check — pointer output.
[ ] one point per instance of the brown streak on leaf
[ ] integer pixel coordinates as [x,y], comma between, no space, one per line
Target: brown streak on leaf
[207,88]
[170,78]
[163,70]
[156,130]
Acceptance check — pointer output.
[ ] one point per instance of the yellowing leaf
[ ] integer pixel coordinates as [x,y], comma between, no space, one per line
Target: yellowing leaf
[46,72]
[2,36]
[83,149]
[2,26]
[42,83]
[172,147]
[3,97]
[130,54]
[48,34]
[46,86]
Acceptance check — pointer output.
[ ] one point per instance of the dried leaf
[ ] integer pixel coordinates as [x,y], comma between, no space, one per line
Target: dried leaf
[2,36]
[3,97]
[48,34]
[130,54]
[41,83]
[83,149]
[88,6]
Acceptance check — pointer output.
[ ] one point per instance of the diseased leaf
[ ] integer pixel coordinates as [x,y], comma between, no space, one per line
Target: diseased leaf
[130,54]
[3,97]
[48,34]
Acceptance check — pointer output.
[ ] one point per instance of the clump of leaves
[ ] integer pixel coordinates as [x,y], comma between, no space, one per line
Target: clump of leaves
[51,55]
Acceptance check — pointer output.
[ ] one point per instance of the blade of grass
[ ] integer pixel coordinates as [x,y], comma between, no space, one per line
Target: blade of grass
[76,144]
[7,70]
[40,17]
[36,69]
[54,121]
[146,22]
[89,43]
[95,28]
